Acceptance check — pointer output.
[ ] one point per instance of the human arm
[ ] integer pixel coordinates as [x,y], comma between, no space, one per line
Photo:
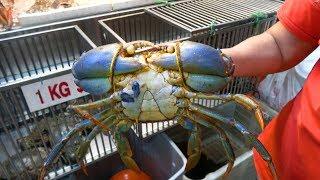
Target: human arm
[273,51]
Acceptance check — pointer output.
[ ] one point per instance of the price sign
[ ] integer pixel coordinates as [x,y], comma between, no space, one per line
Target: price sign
[51,92]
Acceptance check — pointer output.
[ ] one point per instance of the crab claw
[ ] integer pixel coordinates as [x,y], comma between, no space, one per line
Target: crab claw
[96,63]
[196,58]
[92,70]
[95,86]
[207,83]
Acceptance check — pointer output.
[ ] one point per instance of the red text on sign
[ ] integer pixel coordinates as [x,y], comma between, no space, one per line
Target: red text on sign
[58,90]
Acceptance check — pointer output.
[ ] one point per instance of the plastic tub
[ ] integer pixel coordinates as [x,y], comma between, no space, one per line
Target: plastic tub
[157,156]
[213,161]
[243,169]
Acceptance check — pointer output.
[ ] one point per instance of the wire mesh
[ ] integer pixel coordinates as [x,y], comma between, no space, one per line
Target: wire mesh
[198,15]
[139,26]
[88,24]
[38,54]
[27,137]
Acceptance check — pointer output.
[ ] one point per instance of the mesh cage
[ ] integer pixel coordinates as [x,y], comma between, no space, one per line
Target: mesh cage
[139,26]
[197,16]
[27,137]
[38,54]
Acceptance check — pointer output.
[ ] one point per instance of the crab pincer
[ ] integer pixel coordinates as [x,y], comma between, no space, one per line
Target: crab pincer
[93,68]
[195,58]
[207,69]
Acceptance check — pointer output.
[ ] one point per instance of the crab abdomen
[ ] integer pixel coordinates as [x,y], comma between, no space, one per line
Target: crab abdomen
[155,101]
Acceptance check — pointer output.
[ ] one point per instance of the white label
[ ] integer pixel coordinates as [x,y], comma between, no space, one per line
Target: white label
[51,92]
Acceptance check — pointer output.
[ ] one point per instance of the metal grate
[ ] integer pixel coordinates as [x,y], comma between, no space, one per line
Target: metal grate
[88,24]
[231,36]
[38,54]
[26,137]
[139,26]
[197,15]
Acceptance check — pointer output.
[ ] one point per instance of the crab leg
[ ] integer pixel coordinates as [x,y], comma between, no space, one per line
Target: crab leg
[200,119]
[251,139]
[123,144]
[83,148]
[88,116]
[244,100]
[121,141]
[96,104]
[194,142]
[194,149]
[60,145]
[82,109]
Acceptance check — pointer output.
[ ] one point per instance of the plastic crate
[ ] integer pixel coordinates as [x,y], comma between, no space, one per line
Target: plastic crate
[243,169]
[157,156]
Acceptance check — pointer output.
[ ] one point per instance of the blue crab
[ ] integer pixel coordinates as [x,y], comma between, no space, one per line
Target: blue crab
[152,83]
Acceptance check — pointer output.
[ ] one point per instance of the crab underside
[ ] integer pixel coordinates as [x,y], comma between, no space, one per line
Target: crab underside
[151,83]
